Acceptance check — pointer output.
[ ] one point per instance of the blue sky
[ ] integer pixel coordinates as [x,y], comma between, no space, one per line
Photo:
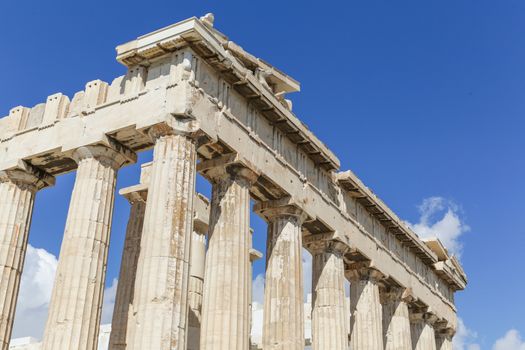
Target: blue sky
[422,99]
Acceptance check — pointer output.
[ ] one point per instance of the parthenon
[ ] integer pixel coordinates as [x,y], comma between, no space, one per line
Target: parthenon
[206,106]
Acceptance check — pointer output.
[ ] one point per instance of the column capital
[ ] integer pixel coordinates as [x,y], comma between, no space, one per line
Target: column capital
[111,153]
[444,328]
[27,176]
[228,166]
[363,271]
[255,255]
[423,314]
[447,333]
[395,294]
[325,243]
[134,195]
[284,207]
[430,318]
[175,125]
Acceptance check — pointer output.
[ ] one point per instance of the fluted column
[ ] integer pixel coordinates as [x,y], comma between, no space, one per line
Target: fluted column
[423,335]
[160,303]
[17,195]
[283,324]
[329,314]
[444,339]
[365,307]
[396,318]
[254,256]
[195,290]
[128,270]
[76,302]
[225,317]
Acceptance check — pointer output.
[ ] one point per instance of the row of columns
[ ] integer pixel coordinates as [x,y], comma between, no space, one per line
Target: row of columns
[163,301]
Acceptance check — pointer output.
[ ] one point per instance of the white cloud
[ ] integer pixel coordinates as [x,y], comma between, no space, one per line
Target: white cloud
[109,302]
[35,292]
[258,289]
[258,282]
[440,218]
[464,338]
[511,341]
[307,273]
[257,323]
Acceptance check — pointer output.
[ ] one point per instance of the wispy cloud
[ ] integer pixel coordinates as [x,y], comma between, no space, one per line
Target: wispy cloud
[465,338]
[258,289]
[510,341]
[109,302]
[307,273]
[258,282]
[35,292]
[441,218]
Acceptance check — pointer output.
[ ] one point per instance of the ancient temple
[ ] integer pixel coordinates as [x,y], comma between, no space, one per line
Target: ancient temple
[205,105]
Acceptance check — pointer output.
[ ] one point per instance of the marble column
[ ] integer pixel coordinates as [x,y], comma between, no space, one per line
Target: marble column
[283,321]
[225,316]
[17,192]
[195,289]
[254,256]
[423,335]
[329,314]
[365,307]
[444,339]
[76,302]
[128,270]
[396,318]
[160,303]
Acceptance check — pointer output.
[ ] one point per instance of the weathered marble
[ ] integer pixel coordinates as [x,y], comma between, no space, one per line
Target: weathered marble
[227,106]
[195,289]
[128,269]
[75,308]
[396,318]
[365,307]
[17,192]
[160,303]
[444,339]
[254,256]
[329,313]
[283,325]
[423,334]
[225,308]
[197,263]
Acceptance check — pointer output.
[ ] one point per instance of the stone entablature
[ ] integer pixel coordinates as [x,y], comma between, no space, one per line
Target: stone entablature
[231,107]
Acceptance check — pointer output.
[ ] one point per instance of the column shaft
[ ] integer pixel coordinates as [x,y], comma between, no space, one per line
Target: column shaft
[195,290]
[128,271]
[75,309]
[283,326]
[444,341]
[365,308]
[423,335]
[396,322]
[225,317]
[254,256]
[17,193]
[328,303]
[160,302]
